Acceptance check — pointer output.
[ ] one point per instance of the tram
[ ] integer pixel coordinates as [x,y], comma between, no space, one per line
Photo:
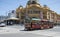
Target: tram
[35,24]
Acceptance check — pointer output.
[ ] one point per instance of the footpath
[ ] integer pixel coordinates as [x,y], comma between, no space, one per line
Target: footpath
[5,30]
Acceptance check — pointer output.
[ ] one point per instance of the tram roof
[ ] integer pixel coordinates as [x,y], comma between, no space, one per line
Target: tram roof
[36,19]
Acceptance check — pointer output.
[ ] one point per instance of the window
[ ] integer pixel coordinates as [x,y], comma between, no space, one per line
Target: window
[30,12]
[22,17]
[33,2]
[36,12]
[33,12]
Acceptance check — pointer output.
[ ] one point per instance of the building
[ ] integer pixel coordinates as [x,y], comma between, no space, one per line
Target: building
[58,19]
[12,13]
[12,18]
[34,10]
[2,18]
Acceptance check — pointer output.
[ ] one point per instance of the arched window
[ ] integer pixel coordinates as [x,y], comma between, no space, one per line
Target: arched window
[33,2]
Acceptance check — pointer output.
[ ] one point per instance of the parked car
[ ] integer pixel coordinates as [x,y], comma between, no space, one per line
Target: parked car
[2,24]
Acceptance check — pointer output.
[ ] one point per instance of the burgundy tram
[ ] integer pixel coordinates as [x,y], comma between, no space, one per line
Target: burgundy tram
[38,24]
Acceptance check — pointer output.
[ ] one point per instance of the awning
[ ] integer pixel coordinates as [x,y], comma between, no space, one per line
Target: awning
[13,18]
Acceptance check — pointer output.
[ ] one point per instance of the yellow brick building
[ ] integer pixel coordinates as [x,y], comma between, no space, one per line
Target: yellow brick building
[34,10]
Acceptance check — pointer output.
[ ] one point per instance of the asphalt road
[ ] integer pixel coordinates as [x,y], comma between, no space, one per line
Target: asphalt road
[16,31]
[22,35]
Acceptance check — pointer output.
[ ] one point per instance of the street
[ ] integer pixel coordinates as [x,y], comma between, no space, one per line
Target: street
[17,31]
[21,35]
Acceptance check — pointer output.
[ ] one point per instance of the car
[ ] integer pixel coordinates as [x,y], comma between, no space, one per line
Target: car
[2,24]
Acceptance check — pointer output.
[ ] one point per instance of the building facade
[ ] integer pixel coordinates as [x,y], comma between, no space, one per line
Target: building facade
[34,10]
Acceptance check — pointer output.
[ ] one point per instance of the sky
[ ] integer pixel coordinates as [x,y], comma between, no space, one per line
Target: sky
[7,5]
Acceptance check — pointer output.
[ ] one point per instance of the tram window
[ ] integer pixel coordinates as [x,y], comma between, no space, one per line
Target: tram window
[27,21]
[38,23]
[41,22]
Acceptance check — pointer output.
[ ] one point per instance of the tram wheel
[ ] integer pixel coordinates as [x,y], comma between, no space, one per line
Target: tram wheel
[48,27]
[42,28]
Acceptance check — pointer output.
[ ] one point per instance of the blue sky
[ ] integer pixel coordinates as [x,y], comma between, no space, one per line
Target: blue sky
[7,5]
